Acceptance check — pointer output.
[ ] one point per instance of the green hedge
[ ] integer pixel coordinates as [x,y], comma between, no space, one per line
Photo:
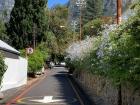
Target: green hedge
[2,67]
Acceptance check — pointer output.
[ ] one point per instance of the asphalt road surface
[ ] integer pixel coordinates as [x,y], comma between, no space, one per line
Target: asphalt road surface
[54,89]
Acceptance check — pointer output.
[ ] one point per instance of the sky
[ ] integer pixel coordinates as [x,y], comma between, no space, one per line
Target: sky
[54,2]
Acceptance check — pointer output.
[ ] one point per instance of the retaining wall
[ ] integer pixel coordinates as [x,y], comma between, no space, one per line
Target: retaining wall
[103,92]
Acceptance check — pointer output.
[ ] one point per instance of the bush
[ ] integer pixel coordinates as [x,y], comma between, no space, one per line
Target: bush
[43,50]
[93,28]
[35,62]
[120,60]
[2,67]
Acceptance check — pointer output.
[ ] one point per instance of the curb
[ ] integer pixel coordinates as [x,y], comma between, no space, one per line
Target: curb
[82,92]
[93,99]
[12,93]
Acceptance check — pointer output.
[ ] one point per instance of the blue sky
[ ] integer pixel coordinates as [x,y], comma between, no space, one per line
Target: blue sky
[54,2]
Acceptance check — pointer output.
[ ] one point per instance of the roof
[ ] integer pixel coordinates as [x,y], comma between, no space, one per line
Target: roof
[4,46]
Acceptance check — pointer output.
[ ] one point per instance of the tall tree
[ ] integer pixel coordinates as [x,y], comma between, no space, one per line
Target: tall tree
[93,10]
[59,36]
[58,25]
[27,20]
[3,35]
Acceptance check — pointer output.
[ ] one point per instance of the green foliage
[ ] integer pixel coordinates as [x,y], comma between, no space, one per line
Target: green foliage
[121,54]
[44,50]
[37,59]
[23,53]
[123,58]
[51,42]
[35,62]
[93,28]
[61,11]
[2,67]
[3,35]
[27,18]
[58,38]
[72,65]
[94,9]
[57,18]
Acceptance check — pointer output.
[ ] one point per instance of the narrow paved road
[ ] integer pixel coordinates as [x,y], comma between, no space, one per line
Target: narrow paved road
[54,89]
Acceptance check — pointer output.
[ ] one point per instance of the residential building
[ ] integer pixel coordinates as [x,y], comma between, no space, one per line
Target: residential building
[16,73]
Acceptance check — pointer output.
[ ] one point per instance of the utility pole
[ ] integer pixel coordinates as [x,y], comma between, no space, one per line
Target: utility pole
[119,11]
[80,4]
[34,36]
[80,23]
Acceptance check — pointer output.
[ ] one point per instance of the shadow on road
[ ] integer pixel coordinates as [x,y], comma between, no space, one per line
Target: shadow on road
[71,91]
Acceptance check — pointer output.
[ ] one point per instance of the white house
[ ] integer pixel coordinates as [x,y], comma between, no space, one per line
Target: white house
[16,73]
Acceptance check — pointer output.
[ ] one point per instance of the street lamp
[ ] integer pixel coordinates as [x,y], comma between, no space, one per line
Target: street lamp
[81,3]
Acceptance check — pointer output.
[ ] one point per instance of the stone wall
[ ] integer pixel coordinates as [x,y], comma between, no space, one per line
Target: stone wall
[130,96]
[104,93]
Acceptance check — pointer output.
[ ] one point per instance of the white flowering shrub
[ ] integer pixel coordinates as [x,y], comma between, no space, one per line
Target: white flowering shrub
[115,54]
[77,50]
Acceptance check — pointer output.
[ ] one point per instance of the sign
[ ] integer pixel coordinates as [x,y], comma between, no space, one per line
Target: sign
[29,50]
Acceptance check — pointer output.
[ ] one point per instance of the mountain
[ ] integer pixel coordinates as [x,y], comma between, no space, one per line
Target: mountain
[110,6]
[6,8]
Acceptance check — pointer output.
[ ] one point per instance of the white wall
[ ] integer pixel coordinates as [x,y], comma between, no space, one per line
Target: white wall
[16,74]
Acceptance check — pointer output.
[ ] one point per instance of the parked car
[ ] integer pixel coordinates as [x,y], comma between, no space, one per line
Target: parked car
[52,64]
[49,64]
[62,64]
